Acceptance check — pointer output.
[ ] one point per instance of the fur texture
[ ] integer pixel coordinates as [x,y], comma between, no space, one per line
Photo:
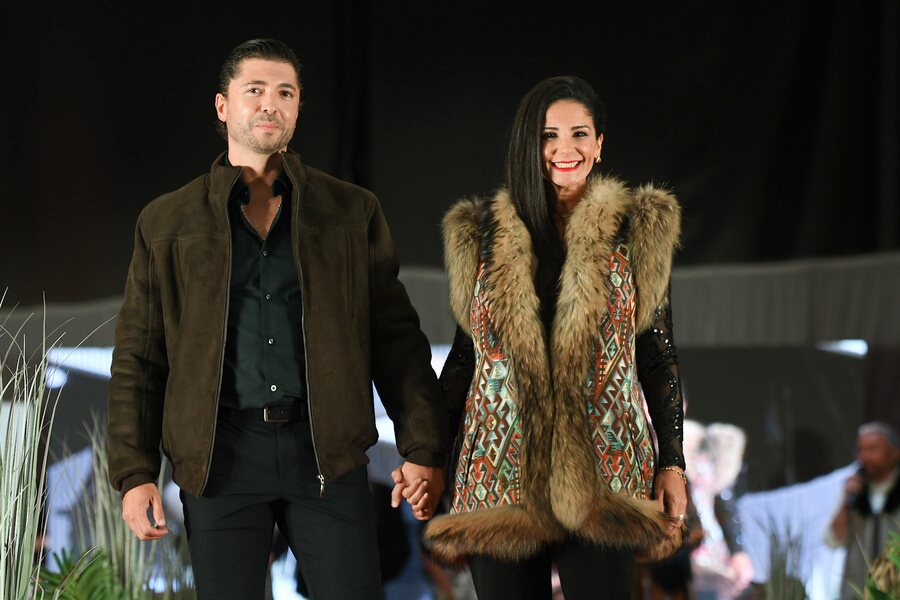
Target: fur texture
[656,222]
[508,532]
[461,245]
[584,288]
[561,488]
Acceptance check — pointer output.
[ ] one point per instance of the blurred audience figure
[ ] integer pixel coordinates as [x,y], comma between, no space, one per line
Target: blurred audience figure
[714,456]
[870,507]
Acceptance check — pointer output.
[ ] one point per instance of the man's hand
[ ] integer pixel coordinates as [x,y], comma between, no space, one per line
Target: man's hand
[742,567]
[671,495]
[421,486]
[840,524]
[134,511]
[853,488]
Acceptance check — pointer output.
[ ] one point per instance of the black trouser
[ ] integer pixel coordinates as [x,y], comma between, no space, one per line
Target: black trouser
[586,572]
[263,474]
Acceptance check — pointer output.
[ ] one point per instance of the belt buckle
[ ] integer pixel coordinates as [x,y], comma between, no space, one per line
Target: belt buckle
[274,410]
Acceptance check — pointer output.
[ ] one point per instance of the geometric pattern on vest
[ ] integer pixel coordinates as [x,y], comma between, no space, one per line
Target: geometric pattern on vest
[487,472]
[619,431]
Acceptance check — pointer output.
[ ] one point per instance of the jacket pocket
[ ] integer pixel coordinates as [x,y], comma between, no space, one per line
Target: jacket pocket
[335,266]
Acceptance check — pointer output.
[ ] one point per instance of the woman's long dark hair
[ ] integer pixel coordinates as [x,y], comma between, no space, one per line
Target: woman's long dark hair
[530,192]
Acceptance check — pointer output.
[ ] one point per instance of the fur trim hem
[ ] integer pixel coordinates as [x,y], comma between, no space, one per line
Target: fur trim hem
[511,533]
[621,521]
[506,532]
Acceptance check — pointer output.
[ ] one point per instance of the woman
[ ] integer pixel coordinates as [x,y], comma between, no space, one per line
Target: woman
[559,285]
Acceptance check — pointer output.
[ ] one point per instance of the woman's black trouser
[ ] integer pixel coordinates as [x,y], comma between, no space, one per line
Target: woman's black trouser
[586,572]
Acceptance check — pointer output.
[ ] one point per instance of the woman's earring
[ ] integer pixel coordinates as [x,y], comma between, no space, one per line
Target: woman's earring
[597,159]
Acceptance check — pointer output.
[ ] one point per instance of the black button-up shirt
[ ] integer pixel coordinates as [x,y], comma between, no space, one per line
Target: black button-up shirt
[264,354]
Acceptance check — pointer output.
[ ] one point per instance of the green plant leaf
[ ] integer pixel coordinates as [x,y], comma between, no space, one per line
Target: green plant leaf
[876,594]
[86,578]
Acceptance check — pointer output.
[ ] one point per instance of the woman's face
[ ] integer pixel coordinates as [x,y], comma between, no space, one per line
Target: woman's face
[570,145]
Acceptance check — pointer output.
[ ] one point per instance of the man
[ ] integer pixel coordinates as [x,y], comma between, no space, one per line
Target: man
[870,509]
[262,300]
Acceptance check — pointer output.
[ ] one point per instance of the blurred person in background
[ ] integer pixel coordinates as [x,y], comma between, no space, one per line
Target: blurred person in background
[870,506]
[714,454]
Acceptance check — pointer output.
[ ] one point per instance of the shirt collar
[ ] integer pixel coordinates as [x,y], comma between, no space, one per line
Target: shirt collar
[281,186]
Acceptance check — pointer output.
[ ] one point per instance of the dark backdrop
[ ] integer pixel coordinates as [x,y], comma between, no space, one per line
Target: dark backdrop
[775,124]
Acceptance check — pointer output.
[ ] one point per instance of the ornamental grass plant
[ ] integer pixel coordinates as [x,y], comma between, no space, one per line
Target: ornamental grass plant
[785,551]
[134,570]
[883,578]
[115,564]
[784,555]
[27,417]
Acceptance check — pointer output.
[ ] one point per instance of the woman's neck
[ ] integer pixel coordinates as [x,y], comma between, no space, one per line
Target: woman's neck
[568,198]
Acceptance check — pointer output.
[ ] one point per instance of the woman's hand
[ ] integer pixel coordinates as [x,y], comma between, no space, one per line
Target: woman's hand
[421,486]
[672,495]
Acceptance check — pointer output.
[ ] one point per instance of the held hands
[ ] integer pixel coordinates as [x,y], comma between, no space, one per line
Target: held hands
[421,486]
[135,504]
[672,496]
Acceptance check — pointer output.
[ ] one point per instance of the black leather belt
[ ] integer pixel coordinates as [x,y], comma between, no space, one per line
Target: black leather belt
[270,414]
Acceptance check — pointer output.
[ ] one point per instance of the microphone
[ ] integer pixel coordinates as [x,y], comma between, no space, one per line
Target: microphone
[853,497]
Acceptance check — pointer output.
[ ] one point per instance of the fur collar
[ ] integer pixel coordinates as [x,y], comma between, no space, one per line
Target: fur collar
[655,229]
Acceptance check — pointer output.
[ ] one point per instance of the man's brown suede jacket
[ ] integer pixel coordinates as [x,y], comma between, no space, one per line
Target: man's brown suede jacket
[359,326]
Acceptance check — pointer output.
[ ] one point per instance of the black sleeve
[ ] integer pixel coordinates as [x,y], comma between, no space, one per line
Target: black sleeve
[456,377]
[657,365]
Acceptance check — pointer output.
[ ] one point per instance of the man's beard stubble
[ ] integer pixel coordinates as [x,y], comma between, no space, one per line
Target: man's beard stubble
[244,135]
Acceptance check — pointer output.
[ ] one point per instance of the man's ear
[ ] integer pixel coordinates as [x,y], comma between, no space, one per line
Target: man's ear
[222,107]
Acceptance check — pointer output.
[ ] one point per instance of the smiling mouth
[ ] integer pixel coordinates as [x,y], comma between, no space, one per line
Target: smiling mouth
[566,166]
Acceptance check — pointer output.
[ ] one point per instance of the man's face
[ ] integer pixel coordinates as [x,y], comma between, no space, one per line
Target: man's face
[876,456]
[261,107]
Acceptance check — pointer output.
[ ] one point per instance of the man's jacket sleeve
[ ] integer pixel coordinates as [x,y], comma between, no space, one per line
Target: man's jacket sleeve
[139,373]
[401,357]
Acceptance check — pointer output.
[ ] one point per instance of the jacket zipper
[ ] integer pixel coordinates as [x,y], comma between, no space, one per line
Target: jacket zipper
[212,443]
[295,216]
[312,427]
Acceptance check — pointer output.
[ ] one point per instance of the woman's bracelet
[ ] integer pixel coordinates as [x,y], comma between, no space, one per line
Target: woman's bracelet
[676,470]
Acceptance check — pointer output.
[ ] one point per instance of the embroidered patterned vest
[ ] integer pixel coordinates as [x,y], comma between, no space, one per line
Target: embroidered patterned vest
[487,473]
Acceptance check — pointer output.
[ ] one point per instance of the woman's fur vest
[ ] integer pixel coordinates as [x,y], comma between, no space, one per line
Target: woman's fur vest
[541,457]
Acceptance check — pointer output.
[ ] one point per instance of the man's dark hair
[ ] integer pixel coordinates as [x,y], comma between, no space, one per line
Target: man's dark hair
[264,48]
[527,187]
